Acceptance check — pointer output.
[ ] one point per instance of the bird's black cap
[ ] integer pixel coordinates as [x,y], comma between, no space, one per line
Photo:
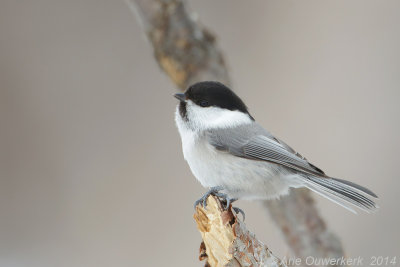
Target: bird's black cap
[215,94]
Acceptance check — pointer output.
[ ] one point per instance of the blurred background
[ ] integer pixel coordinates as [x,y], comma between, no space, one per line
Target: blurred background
[91,168]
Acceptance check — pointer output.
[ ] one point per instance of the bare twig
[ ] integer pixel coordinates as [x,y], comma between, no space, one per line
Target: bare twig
[187,52]
[226,241]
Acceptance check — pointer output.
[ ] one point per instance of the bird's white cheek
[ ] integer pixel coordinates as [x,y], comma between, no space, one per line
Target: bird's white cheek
[214,117]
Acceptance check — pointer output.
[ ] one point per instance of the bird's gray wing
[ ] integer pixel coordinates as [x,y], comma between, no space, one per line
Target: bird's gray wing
[255,143]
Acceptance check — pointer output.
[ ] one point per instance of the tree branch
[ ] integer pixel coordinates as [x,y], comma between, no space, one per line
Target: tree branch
[304,229]
[183,49]
[188,53]
[226,241]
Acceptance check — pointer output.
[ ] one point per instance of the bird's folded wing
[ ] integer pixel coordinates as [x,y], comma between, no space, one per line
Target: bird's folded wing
[257,144]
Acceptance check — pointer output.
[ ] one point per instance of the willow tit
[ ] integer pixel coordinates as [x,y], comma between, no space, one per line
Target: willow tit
[230,153]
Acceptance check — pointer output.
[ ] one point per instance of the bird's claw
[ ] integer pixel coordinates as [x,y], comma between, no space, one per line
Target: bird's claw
[237,211]
[214,191]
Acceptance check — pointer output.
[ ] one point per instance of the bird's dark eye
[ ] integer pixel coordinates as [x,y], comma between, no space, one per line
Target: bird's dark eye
[204,103]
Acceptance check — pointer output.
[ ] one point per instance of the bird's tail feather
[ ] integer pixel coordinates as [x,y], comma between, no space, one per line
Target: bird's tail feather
[344,193]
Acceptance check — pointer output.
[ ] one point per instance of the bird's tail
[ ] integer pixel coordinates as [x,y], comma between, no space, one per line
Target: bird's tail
[342,192]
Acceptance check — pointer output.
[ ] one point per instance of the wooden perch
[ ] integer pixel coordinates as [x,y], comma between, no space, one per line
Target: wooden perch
[187,53]
[226,241]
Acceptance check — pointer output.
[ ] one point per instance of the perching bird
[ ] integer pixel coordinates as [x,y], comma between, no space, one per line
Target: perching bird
[230,153]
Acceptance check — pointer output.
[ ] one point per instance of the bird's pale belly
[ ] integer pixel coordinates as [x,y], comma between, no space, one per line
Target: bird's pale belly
[241,178]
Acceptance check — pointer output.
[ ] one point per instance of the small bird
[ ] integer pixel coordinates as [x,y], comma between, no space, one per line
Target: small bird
[236,158]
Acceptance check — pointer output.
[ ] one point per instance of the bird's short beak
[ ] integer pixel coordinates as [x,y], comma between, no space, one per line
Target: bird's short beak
[181,97]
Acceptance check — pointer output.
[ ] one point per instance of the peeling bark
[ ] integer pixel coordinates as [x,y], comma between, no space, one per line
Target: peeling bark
[188,53]
[226,241]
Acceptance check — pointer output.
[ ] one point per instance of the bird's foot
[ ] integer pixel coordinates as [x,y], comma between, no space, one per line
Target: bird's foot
[214,191]
[227,202]
[237,211]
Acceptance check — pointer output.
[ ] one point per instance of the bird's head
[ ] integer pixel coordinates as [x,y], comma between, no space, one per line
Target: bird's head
[208,105]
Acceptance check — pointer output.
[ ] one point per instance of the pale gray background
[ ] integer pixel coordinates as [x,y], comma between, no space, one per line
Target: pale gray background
[92,172]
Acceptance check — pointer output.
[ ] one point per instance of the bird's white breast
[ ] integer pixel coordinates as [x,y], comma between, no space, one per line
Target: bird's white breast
[241,178]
